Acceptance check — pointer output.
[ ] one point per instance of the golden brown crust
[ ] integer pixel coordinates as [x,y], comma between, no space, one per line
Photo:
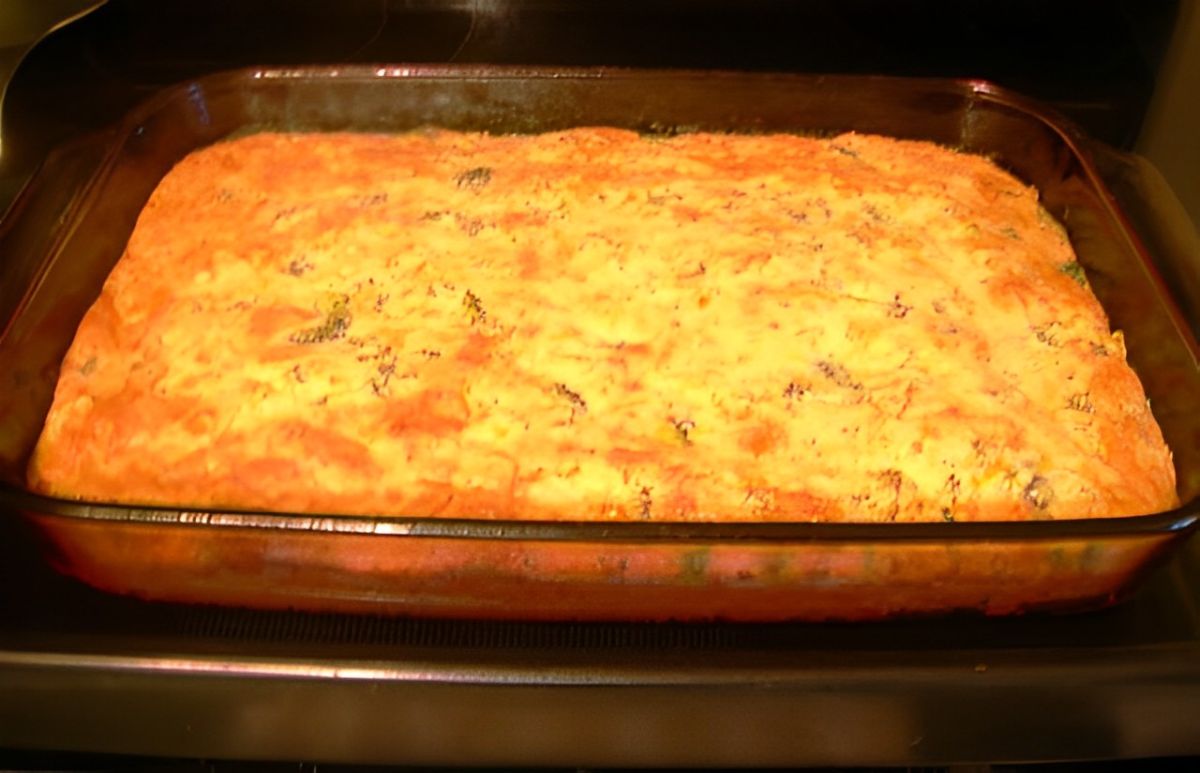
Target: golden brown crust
[596,325]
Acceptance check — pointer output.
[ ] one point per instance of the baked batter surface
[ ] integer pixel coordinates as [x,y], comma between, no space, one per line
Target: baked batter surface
[592,324]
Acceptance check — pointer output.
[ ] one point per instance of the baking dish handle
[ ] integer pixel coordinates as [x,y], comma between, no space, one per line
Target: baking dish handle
[1161,222]
[37,218]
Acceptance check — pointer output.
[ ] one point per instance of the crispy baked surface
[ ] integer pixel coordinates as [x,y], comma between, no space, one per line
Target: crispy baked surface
[596,325]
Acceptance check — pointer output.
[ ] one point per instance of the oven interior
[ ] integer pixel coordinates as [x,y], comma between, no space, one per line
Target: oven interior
[85,671]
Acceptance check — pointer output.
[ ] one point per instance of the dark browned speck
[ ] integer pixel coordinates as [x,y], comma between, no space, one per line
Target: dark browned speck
[682,428]
[837,374]
[1081,402]
[1038,493]
[794,390]
[1048,334]
[336,323]
[474,307]
[578,404]
[953,485]
[873,213]
[468,225]
[645,502]
[1074,270]
[371,200]
[298,266]
[474,179]
[281,214]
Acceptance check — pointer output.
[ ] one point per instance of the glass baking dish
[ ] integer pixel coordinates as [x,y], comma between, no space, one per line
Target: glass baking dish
[67,229]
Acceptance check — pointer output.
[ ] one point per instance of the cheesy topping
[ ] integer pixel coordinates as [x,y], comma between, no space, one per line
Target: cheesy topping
[592,324]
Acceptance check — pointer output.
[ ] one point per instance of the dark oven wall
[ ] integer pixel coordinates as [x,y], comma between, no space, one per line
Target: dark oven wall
[88,671]
[1095,61]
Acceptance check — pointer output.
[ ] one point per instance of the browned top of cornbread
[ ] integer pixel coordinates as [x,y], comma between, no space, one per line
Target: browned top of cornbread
[591,324]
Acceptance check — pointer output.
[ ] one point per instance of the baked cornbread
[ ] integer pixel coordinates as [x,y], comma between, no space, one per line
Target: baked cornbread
[593,324]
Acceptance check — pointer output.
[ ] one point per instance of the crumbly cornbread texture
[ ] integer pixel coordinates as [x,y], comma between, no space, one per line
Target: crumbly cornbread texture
[593,324]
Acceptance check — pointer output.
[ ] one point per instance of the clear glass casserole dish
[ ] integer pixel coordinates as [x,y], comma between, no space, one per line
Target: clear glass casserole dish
[65,232]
